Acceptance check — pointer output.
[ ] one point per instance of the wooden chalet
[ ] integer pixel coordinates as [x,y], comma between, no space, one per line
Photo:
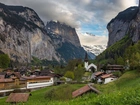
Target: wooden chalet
[6,83]
[38,81]
[106,78]
[28,82]
[10,79]
[98,73]
[114,68]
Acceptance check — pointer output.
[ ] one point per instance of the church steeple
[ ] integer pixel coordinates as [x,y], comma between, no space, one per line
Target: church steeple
[86,61]
[86,57]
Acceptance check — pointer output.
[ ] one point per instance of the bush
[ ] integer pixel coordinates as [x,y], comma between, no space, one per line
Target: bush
[117,73]
[4,60]
[63,92]
[69,74]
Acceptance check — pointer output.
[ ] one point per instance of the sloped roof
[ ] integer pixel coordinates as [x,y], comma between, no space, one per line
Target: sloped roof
[106,75]
[98,73]
[17,74]
[2,73]
[3,80]
[115,67]
[18,97]
[83,90]
[2,76]
[54,75]
[36,77]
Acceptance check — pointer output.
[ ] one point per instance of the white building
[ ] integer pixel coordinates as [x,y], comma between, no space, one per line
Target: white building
[106,78]
[39,81]
[89,67]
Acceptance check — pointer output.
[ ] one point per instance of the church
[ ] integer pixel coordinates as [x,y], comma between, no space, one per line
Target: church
[89,67]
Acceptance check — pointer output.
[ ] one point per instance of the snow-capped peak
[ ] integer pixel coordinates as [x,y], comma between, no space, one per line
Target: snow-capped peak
[95,49]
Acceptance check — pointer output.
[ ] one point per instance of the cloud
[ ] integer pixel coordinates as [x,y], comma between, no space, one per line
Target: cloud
[73,12]
[77,13]
[87,39]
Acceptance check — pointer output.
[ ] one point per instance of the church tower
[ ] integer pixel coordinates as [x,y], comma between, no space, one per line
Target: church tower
[86,61]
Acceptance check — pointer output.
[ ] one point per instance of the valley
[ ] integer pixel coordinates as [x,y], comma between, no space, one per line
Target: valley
[43,61]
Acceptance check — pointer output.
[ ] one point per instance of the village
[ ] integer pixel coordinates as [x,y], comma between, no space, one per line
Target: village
[70,52]
[26,79]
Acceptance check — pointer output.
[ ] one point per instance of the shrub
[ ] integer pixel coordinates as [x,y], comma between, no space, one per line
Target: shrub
[117,73]
[69,74]
[4,60]
[63,92]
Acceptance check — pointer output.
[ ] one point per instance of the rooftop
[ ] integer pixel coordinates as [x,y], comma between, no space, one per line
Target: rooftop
[83,90]
[106,75]
[98,73]
[6,80]
[36,77]
[18,97]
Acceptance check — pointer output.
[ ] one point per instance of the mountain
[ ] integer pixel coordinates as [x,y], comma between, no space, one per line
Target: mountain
[65,40]
[124,38]
[23,35]
[94,50]
[125,23]
[67,33]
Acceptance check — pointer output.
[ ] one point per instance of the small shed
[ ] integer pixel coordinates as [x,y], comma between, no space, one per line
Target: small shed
[18,97]
[83,90]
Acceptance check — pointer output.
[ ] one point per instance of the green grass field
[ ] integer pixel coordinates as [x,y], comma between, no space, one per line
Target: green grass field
[124,91]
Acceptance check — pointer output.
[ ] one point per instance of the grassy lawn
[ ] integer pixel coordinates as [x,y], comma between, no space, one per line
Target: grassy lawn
[124,91]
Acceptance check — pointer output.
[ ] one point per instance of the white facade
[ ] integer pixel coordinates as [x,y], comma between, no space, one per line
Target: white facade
[110,79]
[40,84]
[86,66]
[92,65]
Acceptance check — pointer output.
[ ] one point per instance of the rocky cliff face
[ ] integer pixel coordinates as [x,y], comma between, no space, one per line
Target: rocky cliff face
[126,22]
[62,30]
[23,35]
[65,40]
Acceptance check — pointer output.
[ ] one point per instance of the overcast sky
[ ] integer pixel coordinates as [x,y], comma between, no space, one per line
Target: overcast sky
[89,16]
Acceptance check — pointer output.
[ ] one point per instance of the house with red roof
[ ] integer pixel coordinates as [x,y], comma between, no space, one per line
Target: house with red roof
[106,78]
